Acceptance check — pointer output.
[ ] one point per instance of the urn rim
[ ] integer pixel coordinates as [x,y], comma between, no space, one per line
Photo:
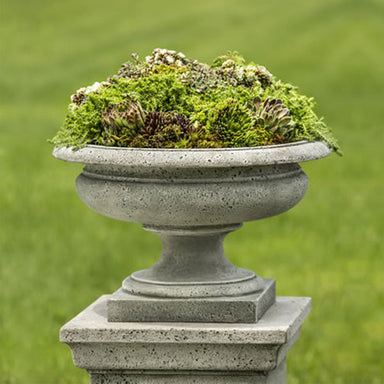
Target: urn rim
[289,153]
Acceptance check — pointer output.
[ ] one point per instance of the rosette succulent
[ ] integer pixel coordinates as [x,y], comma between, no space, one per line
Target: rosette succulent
[122,122]
[170,101]
[272,116]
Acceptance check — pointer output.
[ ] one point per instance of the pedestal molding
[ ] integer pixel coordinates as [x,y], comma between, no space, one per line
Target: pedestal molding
[280,323]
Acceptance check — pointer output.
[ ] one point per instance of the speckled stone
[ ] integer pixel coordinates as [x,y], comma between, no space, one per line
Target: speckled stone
[123,306]
[205,352]
[139,158]
[192,187]
[192,198]
[277,376]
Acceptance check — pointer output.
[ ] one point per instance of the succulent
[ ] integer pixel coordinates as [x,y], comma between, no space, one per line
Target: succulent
[233,69]
[230,73]
[130,71]
[170,101]
[159,57]
[265,77]
[272,116]
[245,76]
[122,122]
[156,121]
[165,56]
[163,130]
[229,121]
[201,77]
[133,70]
[261,73]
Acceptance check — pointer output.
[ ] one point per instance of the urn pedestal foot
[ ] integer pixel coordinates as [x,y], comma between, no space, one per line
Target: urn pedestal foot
[193,281]
[226,309]
[185,353]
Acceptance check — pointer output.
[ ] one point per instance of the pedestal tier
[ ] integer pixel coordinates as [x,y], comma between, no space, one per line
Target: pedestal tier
[225,309]
[185,353]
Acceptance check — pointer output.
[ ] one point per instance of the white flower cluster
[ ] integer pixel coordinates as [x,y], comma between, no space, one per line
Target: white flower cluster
[87,90]
[165,56]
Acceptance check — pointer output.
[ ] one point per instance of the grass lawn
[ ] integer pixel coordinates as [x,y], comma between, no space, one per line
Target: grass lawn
[57,256]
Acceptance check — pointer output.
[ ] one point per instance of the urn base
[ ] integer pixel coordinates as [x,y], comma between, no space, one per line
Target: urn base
[125,307]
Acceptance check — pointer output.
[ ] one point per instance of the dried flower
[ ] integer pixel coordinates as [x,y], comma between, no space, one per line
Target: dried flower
[82,93]
[164,56]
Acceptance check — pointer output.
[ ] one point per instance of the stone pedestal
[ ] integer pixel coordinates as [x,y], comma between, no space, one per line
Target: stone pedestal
[192,317]
[185,353]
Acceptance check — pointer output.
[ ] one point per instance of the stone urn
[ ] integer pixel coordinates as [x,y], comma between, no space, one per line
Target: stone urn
[192,198]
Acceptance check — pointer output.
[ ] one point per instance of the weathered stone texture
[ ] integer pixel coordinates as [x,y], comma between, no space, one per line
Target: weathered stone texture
[144,353]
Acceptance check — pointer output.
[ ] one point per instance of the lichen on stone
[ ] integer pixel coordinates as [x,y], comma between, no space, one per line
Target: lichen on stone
[170,101]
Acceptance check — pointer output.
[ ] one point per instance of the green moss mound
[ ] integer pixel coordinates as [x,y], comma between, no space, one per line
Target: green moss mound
[170,101]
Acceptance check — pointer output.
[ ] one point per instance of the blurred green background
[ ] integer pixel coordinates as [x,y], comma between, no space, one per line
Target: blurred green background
[57,256]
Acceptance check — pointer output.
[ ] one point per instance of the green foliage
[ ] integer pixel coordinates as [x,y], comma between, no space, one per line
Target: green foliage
[308,126]
[171,101]
[159,92]
[228,121]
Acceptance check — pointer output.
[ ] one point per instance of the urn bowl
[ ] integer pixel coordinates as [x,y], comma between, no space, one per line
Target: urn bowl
[192,187]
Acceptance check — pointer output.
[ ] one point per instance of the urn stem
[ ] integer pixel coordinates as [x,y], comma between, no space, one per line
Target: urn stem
[193,264]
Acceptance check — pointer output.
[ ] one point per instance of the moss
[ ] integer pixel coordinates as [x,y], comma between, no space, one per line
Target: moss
[308,126]
[229,120]
[159,92]
[170,101]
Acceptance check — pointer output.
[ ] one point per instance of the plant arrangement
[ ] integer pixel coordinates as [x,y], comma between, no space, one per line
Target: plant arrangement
[170,101]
